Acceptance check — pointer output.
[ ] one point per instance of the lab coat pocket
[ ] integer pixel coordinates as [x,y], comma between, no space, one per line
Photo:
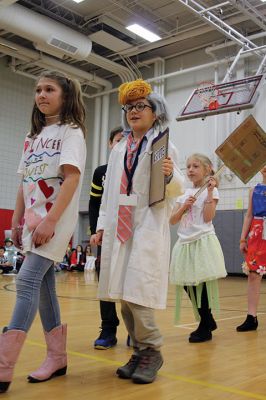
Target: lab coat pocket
[146,255]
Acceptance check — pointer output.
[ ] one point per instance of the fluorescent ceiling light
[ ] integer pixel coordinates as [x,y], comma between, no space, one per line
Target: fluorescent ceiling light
[143,32]
[77,1]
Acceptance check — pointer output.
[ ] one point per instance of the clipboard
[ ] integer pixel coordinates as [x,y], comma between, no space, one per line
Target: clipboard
[244,151]
[157,180]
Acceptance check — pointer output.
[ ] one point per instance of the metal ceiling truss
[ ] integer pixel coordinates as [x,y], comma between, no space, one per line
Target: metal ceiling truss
[251,12]
[246,44]
[57,12]
[218,23]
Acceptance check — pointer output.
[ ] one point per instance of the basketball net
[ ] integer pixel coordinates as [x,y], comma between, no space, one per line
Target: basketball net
[208,95]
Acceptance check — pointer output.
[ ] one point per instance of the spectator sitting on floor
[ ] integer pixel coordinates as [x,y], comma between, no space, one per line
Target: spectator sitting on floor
[90,259]
[10,252]
[65,264]
[5,266]
[77,259]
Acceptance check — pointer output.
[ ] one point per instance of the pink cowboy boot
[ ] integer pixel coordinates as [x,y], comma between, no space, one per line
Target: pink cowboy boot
[55,363]
[11,343]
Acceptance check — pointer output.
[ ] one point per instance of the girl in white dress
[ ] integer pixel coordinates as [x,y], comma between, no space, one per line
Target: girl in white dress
[197,258]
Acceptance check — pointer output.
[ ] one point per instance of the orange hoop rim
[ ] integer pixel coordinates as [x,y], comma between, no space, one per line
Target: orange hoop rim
[208,94]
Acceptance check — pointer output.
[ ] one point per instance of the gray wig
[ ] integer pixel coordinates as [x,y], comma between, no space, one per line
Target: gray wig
[159,107]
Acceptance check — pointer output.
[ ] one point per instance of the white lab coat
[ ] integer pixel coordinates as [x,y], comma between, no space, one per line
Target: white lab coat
[137,271]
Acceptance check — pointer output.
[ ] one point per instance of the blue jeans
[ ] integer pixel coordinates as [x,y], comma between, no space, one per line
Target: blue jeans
[35,286]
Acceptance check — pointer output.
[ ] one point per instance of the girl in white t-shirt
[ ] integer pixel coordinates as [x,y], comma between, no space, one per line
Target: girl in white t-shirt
[197,258]
[52,168]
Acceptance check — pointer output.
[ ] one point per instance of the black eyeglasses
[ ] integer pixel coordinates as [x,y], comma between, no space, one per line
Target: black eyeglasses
[138,107]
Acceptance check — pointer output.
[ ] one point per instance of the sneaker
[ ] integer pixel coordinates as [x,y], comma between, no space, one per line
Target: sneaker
[149,363]
[250,324]
[126,371]
[105,341]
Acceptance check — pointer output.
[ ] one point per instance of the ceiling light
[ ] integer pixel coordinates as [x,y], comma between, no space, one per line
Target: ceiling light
[143,32]
[77,1]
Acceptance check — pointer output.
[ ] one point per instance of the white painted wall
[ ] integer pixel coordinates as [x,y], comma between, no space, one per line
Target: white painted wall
[16,99]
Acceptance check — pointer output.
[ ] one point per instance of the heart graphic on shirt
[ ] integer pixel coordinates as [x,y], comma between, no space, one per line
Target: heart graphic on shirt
[47,190]
[32,219]
[26,145]
[31,187]
[48,206]
[32,201]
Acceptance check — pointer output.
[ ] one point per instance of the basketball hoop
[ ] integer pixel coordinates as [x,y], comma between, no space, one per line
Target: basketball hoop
[212,99]
[208,94]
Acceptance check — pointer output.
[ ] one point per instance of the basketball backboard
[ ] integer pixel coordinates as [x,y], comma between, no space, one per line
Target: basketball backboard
[211,99]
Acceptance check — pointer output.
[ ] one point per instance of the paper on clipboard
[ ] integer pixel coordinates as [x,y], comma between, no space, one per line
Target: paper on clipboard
[157,180]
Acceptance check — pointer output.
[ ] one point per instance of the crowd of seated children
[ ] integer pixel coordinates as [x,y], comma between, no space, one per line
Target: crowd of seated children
[75,259]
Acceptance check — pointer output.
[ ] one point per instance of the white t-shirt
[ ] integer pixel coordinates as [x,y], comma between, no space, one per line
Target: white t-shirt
[192,226]
[41,167]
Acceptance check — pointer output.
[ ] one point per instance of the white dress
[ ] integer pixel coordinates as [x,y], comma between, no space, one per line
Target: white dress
[197,255]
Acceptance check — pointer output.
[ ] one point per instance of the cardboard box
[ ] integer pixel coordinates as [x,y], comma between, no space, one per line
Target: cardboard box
[244,151]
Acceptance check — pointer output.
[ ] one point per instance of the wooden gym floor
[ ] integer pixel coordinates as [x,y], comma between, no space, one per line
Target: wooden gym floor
[232,366]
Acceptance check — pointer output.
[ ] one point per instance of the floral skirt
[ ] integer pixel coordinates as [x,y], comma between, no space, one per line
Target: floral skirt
[255,259]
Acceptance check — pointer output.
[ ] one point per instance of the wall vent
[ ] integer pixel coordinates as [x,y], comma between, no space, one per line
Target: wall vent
[62,45]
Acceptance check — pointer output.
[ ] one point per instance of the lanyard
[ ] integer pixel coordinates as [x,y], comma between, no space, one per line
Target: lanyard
[130,173]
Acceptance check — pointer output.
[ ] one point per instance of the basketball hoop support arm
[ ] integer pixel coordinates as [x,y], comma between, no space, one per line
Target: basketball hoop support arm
[261,66]
[246,44]
[232,66]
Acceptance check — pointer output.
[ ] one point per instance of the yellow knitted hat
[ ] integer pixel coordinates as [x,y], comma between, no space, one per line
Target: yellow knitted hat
[133,90]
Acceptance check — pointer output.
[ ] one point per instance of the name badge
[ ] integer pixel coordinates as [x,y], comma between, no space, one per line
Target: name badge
[125,200]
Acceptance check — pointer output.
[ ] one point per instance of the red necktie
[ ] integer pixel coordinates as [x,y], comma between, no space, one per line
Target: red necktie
[124,225]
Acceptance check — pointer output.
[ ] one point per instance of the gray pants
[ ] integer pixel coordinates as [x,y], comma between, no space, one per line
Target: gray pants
[141,326]
[35,286]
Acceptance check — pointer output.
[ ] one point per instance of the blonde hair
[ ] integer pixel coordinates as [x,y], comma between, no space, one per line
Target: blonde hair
[205,161]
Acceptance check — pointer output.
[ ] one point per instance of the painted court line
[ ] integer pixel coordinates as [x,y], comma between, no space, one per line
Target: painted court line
[180,378]
[221,388]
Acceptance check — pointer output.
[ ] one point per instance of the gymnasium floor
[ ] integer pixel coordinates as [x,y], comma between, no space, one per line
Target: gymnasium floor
[232,366]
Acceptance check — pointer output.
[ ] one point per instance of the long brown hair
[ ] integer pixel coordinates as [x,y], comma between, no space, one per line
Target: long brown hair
[73,109]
